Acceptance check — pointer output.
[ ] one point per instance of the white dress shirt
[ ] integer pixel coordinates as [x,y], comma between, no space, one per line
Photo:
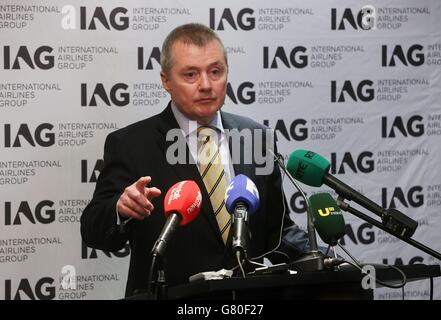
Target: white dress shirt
[189,129]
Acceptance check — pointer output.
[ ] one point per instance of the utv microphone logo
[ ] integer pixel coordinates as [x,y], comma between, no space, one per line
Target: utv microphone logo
[243,19]
[94,18]
[326,211]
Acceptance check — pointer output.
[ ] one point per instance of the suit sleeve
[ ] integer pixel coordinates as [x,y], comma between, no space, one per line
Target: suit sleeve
[99,228]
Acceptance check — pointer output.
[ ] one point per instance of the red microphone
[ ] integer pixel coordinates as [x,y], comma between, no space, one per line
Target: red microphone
[182,204]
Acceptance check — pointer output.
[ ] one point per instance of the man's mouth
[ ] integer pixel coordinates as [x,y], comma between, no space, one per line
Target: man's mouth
[205,100]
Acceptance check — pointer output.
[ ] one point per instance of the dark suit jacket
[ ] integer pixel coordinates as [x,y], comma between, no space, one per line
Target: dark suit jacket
[139,150]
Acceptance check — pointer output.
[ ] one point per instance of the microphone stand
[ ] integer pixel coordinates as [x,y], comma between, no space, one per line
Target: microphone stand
[314,259]
[346,207]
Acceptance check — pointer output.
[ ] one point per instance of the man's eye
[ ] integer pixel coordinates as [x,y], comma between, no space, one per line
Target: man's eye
[216,73]
[190,74]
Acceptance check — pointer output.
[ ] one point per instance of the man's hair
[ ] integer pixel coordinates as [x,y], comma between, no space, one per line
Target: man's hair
[191,33]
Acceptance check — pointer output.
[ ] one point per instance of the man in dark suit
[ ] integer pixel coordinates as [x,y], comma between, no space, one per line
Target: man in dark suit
[127,204]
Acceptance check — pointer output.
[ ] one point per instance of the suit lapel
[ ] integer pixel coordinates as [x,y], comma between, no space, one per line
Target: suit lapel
[239,165]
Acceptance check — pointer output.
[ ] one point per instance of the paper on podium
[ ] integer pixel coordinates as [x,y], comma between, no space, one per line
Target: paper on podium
[211,275]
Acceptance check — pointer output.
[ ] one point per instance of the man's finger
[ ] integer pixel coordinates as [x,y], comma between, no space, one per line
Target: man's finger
[141,209]
[142,182]
[139,197]
[152,193]
[128,212]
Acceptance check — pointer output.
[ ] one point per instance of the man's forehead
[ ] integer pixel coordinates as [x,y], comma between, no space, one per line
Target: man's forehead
[212,51]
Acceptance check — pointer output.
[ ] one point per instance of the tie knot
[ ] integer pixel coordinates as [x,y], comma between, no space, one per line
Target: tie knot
[206,133]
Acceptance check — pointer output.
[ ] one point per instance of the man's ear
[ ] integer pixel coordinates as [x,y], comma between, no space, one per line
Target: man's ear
[165,81]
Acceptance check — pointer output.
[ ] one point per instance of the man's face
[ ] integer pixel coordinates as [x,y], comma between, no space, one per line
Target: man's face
[197,81]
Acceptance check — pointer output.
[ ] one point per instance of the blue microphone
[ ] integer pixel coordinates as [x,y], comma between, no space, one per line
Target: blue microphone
[241,200]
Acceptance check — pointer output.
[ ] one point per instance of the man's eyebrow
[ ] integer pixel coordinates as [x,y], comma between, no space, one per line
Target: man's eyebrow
[217,63]
[214,64]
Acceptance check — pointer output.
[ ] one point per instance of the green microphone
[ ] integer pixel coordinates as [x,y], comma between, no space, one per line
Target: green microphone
[312,169]
[327,217]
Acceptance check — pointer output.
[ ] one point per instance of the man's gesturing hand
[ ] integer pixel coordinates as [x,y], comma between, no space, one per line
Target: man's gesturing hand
[135,200]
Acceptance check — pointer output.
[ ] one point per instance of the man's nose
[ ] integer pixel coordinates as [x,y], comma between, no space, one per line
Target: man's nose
[204,82]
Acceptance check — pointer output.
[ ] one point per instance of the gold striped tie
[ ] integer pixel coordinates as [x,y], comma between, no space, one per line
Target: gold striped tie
[213,175]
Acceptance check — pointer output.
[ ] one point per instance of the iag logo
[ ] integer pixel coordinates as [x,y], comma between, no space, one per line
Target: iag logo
[42,213]
[363,162]
[399,261]
[90,18]
[117,95]
[298,130]
[18,289]
[364,91]
[297,203]
[363,234]
[413,56]
[41,135]
[243,94]
[89,174]
[155,54]
[414,197]
[38,58]
[413,127]
[365,19]
[297,57]
[243,20]
[89,253]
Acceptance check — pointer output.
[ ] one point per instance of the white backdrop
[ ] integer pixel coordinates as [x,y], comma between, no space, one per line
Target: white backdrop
[362,88]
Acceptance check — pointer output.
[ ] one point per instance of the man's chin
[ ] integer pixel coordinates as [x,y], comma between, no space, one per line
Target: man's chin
[206,117]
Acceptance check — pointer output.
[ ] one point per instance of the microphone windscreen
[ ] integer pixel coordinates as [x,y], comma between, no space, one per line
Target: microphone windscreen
[308,167]
[328,218]
[242,189]
[185,199]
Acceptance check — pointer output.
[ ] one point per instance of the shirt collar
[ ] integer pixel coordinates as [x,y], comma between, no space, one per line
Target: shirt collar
[188,126]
